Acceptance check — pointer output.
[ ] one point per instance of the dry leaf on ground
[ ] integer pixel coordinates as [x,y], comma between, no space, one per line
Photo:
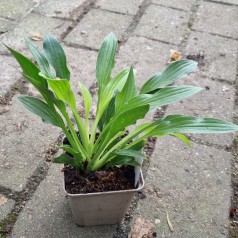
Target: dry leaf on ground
[141,229]
[36,37]
[3,200]
[175,55]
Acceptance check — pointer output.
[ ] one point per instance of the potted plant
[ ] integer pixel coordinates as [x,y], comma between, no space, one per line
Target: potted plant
[106,157]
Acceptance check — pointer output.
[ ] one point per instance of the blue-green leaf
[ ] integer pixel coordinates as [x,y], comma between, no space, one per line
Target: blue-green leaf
[129,91]
[39,108]
[163,97]
[105,61]
[30,71]
[173,72]
[56,56]
[40,59]
[189,124]
[66,159]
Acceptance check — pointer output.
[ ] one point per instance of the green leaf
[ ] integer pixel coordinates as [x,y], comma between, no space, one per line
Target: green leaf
[129,153]
[108,113]
[30,71]
[105,61]
[122,160]
[116,84]
[63,91]
[66,159]
[173,72]
[56,56]
[163,97]
[127,118]
[72,151]
[128,91]
[87,99]
[39,108]
[188,124]
[40,58]
[182,138]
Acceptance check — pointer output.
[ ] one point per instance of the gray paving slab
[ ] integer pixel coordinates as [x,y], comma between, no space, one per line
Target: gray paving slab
[5,25]
[82,64]
[146,56]
[6,206]
[59,8]
[162,23]
[215,100]
[86,34]
[179,4]
[123,6]
[24,139]
[192,185]
[48,214]
[219,55]
[8,74]
[31,25]
[15,9]
[219,20]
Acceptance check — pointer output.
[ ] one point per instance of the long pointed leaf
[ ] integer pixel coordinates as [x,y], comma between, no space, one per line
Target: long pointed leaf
[29,69]
[105,61]
[39,108]
[128,91]
[56,56]
[173,72]
[40,58]
[163,97]
[188,124]
[63,91]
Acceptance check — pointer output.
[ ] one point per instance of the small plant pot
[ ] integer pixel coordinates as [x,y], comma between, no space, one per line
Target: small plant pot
[104,208]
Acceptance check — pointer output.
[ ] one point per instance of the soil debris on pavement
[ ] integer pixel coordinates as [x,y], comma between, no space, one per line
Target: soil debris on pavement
[142,229]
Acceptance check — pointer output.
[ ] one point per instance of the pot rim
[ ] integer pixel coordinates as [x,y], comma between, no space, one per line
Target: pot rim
[141,185]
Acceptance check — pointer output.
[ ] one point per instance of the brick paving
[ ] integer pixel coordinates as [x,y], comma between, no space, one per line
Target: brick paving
[190,184]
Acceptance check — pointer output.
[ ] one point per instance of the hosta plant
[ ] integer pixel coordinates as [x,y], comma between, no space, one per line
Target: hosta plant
[119,105]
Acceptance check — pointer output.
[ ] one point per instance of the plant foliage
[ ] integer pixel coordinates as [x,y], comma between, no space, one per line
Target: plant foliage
[119,106]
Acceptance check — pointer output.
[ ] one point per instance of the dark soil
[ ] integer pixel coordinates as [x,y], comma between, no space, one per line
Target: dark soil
[112,179]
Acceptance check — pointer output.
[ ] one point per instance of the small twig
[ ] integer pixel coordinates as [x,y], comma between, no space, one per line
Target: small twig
[169,223]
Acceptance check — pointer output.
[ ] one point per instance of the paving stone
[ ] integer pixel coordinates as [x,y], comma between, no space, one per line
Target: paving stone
[6,206]
[219,55]
[215,100]
[162,23]
[5,26]
[9,74]
[59,8]
[15,9]
[85,33]
[48,214]
[123,6]
[24,139]
[192,185]
[83,67]
[219,20]
[179,4]
[146,56]
[31,25]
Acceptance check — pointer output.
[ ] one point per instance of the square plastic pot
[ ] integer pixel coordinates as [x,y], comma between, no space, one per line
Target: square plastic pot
[91,209]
